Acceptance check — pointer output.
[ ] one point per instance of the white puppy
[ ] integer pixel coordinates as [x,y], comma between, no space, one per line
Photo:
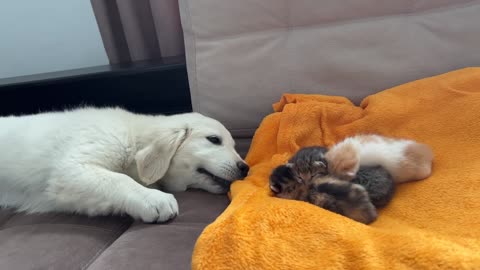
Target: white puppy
[99,161]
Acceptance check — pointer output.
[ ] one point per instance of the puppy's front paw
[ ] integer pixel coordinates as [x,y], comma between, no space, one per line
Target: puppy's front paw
[153,206]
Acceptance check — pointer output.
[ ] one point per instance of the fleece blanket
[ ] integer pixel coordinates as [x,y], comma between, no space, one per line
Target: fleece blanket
[430,224]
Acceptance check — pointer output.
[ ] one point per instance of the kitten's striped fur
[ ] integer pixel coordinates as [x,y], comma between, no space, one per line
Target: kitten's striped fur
[339,196]
[354,176]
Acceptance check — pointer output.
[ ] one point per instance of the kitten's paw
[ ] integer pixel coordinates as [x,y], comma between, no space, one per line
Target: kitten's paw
[152,206]
[343,160]
[365,214]
[363,210]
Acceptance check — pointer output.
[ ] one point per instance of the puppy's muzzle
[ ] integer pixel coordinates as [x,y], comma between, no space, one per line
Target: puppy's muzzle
[244,168]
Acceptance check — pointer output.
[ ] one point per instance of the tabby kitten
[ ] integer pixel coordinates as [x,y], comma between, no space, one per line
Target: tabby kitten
[378,182]
[305,177]
[342,197]
[339,196]
[354,176]
[310,162]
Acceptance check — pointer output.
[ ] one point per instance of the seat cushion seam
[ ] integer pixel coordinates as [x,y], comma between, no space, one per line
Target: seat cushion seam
[106,245]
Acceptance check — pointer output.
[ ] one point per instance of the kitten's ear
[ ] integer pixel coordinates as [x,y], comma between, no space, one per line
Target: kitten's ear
[275,188]
[319,163]
[299,180]
[154,159]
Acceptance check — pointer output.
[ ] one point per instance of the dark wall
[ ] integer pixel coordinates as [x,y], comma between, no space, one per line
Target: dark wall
[159,87]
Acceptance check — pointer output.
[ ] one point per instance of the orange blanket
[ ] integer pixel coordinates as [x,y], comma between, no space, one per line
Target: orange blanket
[430,224]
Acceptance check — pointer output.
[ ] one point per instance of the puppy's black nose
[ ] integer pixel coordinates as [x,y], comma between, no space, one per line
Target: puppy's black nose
[243,167]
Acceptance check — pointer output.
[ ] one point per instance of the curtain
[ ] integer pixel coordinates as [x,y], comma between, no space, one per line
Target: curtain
[136,30]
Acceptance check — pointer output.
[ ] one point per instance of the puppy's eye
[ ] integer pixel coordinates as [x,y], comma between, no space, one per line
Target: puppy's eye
[214,139]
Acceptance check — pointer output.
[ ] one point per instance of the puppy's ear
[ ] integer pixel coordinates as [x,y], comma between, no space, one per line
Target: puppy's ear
[154,159]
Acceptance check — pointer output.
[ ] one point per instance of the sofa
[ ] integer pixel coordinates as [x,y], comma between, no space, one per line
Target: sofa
[240,57]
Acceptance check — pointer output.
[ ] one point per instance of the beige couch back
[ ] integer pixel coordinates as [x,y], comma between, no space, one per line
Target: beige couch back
[242,55]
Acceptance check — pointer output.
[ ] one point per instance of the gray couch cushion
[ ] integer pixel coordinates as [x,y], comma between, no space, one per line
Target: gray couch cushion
[59,241]
[167,246]
[242,55]
[55,241]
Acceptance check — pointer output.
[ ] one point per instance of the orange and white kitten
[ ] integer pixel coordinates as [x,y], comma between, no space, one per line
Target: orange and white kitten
[405,160]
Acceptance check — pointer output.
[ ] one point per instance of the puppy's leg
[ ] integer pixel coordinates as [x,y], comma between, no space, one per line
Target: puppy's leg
[94,190]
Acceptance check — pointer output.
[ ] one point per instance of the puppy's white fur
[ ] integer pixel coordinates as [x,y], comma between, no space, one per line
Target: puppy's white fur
[99,161]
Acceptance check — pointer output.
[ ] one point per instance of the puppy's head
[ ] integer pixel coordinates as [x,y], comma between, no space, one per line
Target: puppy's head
[206,159]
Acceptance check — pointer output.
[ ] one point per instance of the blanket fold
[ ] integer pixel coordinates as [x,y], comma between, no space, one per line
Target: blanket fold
[430,224]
